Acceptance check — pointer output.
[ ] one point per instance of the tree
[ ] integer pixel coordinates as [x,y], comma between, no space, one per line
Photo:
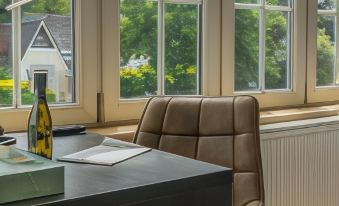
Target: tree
[181,80]
[138,37]
[325,59]
[246,49]
[276,51]
[138,82]
[6,94]
[138,30]
[5,16]
[60,7]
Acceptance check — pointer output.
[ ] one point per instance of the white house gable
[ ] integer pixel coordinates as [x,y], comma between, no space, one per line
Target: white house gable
[42,40]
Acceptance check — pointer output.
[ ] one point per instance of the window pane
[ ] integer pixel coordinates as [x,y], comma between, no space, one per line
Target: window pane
[138,48]
[47,43]
[181,49]
[277,2]
[246,50]
[326,51]
[327,4]
[248,1]
[6,78]
[277,50]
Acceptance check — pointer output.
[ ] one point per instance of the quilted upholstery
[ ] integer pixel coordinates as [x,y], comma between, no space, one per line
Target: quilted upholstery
[219,130]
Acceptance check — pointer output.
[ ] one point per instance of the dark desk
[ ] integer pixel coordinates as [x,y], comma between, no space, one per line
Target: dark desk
[154,178]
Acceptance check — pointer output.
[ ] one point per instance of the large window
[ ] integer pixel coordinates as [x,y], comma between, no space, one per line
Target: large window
[43,39]
[159,48]
[263,42]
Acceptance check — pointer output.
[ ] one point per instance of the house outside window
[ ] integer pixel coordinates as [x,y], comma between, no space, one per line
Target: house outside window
[46,36]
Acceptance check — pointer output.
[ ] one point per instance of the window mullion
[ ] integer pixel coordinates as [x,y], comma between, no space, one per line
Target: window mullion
[326,12]
[16,43]
[161,49]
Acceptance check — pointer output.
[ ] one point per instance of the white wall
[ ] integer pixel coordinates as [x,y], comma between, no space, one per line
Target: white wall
[47,57]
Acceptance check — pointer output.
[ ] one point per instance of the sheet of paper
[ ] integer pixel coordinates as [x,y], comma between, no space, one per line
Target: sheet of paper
[106,154]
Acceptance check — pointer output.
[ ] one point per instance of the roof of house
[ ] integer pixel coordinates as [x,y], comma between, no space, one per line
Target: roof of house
[60,28]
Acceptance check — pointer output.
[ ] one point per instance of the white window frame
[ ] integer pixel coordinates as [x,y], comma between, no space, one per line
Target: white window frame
[267,98]
[315,93]
[117,109]
[86,65]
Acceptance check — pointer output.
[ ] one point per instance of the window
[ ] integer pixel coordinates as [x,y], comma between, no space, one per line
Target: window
[160,48]
[327,63]
[46,39]
[264,50]
[263,45]
[322,47]
[47,42]
[52,35]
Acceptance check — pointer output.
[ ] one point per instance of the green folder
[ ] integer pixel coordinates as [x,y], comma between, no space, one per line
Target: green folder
[24,175]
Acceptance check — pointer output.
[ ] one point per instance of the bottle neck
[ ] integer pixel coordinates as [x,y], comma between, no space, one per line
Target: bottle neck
[40,83]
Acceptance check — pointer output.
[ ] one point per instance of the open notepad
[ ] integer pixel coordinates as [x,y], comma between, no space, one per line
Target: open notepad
[109,152]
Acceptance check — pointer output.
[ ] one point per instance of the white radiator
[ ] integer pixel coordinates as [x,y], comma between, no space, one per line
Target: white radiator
[301,166]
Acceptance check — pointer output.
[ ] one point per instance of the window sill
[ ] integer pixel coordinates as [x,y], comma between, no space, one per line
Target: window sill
[293,114]
[269,120]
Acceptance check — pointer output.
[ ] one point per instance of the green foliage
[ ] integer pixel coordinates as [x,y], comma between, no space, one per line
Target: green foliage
[5,16]
[138,82]
[246,48]
[27,97]
[326,4]
[276,51]
[4,73]
[180,35]
[138,30]
[325,59]
[138,37]
[181,80]
[6,95]
[60,7]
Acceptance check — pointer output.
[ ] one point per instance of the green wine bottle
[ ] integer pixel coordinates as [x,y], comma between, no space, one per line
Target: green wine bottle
[40,136]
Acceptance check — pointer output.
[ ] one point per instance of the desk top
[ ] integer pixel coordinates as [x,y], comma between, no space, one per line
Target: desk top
[146,176]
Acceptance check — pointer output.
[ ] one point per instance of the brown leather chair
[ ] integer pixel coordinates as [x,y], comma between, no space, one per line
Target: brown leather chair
[219,130]
[1,130]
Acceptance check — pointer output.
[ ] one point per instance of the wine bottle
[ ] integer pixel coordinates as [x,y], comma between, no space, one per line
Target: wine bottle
[40,139]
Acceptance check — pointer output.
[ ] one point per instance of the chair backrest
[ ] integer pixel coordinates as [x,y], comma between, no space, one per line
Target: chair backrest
[219,130]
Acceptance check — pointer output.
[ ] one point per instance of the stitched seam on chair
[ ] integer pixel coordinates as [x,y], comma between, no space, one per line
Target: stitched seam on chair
[162,122]
[141,119]
[198,131]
